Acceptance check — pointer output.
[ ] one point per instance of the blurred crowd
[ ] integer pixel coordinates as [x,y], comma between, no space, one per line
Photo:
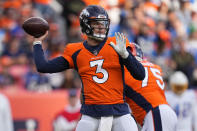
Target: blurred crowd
[165,29]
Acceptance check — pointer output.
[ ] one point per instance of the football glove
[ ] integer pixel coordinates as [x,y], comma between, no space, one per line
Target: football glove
[120,46]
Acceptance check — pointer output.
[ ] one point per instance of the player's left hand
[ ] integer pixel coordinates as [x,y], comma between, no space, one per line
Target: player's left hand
[120,46]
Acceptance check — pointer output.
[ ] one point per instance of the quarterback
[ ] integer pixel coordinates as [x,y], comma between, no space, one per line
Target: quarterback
[100,62]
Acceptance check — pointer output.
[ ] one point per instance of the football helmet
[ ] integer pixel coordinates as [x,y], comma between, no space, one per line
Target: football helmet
[137,51]
[94,13]
[178,82]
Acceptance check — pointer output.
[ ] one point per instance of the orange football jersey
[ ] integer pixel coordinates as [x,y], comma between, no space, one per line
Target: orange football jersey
[98,70]
[144,95]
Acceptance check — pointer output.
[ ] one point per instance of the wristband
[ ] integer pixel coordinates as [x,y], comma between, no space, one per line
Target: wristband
[37,42]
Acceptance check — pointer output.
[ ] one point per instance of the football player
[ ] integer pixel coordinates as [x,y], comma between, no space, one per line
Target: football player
[100,63]
[183,102]
[146,98]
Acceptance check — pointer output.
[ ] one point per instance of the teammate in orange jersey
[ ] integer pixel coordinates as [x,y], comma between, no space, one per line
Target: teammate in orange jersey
[100,63]
[147,99]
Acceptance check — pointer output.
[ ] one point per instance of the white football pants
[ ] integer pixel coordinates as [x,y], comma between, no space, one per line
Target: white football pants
[119,123]
[161,118]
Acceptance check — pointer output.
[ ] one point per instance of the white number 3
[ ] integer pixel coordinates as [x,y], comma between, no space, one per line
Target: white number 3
[157,74]
[99,69]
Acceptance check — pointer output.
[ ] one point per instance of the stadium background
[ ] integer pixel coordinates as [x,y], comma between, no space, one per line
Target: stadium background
[165,29]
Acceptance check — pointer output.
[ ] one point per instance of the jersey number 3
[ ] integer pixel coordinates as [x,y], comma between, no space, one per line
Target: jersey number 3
[99,69]
[156,73]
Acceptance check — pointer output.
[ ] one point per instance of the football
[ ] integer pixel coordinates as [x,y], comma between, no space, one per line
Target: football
[35,26]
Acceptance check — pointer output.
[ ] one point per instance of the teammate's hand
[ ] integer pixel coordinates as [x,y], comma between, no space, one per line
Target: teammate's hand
[120,46]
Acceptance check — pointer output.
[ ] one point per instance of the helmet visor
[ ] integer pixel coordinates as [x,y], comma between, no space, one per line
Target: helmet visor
[179,89]
[99,23]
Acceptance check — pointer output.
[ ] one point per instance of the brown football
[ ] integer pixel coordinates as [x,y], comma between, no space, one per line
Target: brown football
[35,26]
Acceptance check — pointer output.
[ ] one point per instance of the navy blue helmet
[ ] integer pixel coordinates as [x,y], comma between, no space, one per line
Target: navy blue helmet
[137,51]
[94,13]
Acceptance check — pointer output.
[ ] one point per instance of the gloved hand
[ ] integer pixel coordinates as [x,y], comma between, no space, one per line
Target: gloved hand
[120,46]
[40,39]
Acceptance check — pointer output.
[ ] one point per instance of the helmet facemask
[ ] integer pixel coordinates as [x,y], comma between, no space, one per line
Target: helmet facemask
[99,29]
[178,88]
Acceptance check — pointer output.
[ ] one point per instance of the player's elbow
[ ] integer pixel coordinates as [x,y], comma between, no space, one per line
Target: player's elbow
[140,75]
[41,69]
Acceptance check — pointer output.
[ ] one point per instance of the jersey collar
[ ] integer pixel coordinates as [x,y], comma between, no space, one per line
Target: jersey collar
[94,49]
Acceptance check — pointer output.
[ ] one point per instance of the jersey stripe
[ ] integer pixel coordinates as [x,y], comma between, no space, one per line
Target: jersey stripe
[138,99]
[74,57]
[123,78]
[157,119]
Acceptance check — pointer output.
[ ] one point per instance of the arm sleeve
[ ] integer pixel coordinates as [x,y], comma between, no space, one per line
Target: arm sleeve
[135,68]
[52,66]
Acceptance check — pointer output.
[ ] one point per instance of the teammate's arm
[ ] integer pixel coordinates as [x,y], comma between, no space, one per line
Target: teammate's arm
[52,66]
